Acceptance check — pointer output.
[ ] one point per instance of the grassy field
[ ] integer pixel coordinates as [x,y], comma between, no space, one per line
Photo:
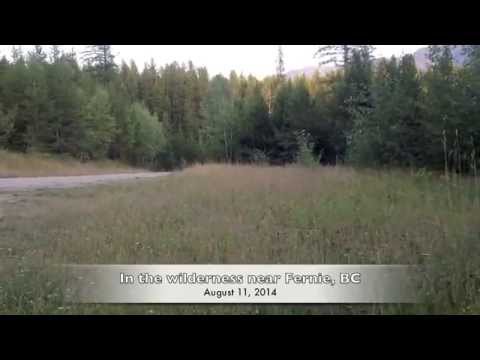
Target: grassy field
[247,214]
[20,165]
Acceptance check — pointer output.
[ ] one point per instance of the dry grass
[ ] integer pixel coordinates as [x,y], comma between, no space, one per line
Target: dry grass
[26,165]
[247,214]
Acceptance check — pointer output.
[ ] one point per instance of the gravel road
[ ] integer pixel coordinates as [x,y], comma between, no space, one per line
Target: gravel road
[62,182]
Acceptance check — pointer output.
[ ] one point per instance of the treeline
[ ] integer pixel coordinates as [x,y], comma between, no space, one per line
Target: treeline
[371,113]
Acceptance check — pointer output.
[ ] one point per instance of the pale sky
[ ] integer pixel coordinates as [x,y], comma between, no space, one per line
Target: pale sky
[258,60]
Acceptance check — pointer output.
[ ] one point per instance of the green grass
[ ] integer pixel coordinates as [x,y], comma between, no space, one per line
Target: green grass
[251,215]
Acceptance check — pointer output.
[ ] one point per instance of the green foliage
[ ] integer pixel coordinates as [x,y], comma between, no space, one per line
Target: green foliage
[218,132]
[254,125]
[390,130]
[147,135]
[98,126]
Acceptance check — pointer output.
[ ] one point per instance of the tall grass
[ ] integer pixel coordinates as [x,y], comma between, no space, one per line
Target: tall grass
[248,214]
[34,164]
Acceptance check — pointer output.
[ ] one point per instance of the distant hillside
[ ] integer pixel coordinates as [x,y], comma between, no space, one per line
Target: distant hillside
[421,60]
[309,71]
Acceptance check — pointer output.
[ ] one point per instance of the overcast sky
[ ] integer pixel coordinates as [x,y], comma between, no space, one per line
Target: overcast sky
[258,60]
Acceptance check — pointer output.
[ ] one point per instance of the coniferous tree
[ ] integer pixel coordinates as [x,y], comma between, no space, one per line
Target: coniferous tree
[55,54]
[6,126]
[340,55]
[280,65]
[16,82]
[412,134]
[254,129]
[100,61]
[356,97]
[37,107]
[442,116]
[67,96]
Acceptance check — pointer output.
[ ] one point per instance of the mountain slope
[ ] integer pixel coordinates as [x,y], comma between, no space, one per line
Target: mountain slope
[309,71]
[423,63]
[421,60]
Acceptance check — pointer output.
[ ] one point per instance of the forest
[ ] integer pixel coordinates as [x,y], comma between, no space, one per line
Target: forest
[370,112]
